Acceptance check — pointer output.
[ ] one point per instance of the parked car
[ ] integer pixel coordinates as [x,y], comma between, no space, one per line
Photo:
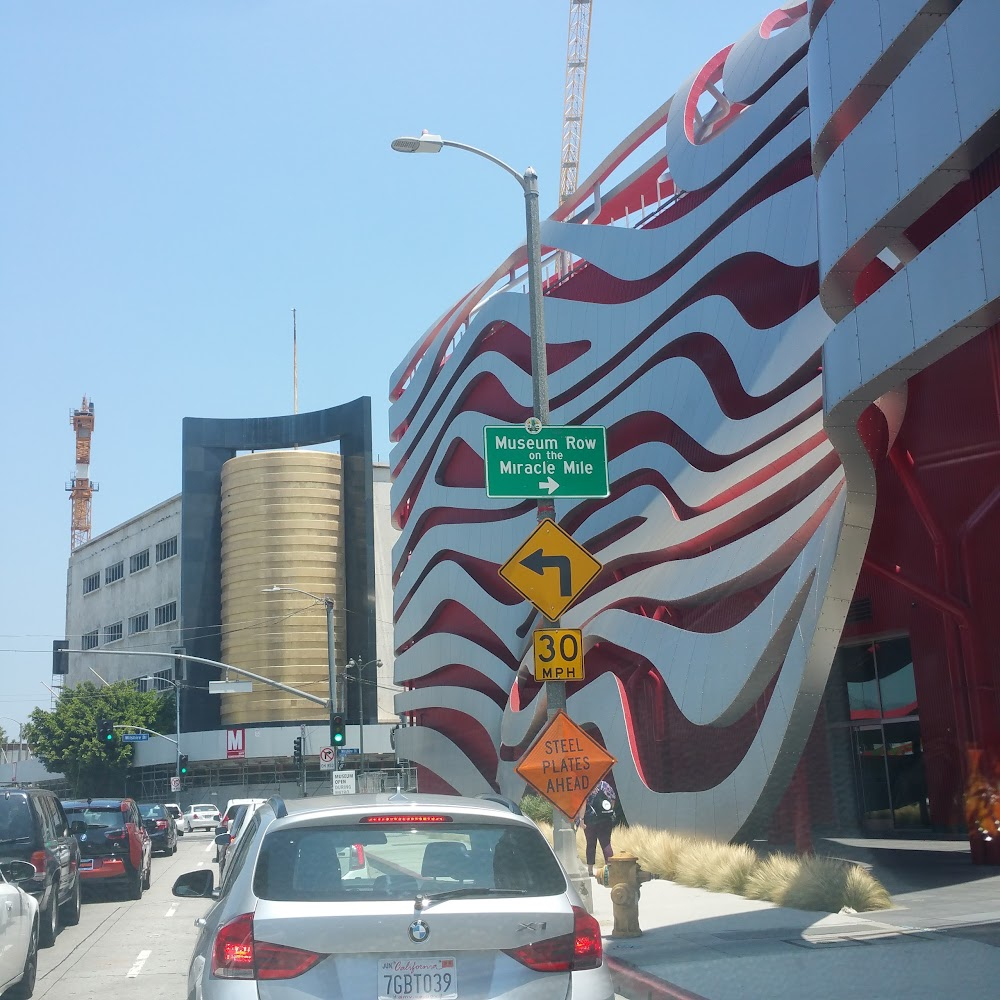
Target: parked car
[34,828]
[177,815]
[159,826]
[202,817]
[232,805]
[487,912]
[114,844]
[18,930]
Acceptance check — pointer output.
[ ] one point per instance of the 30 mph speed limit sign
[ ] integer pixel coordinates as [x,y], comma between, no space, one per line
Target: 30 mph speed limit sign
[558,654]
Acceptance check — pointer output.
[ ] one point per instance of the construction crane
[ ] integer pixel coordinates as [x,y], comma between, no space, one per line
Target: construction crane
[80,488]
[576,87]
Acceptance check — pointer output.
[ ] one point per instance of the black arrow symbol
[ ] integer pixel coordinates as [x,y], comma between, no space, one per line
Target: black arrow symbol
[538,562]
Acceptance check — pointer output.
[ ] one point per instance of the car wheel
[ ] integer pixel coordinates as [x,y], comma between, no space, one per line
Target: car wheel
[26,987]
[50,919]
[70,912]
[135,885]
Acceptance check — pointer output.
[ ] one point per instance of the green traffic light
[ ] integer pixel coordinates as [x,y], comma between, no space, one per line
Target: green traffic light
[338,738]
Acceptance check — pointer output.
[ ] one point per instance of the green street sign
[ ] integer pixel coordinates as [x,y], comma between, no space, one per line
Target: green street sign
[554,462]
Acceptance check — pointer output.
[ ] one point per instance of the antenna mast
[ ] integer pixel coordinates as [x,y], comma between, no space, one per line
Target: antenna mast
[81,490]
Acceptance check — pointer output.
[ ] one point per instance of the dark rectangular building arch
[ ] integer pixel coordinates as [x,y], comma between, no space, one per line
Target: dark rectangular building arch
[207,444]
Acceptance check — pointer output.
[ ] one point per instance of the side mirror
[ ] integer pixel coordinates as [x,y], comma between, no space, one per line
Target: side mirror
[18,871]
[222,840]
[78,827]
[198,883]
[221,828]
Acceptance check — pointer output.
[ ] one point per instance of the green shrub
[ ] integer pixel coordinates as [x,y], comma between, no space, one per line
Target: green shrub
[537,808]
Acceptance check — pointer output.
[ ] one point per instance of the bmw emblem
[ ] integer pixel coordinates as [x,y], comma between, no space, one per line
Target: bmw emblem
[419,931]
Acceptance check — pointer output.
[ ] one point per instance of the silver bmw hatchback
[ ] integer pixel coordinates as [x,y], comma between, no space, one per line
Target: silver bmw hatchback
[393,897]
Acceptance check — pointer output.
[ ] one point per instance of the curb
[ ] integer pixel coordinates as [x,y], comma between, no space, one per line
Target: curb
[638,985]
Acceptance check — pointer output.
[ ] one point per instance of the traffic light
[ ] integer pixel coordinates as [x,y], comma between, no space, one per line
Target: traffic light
[183,764]
[297,750]
[105,732]
[337,734]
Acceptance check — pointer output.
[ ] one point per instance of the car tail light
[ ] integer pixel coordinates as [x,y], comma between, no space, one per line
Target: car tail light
[583,949]
[161,824]
[115,834]
[38,860]
[358,857]
[236,955]
[409,818]
[588,948]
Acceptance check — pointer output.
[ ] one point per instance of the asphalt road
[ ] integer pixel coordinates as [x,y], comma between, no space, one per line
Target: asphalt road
[126,948]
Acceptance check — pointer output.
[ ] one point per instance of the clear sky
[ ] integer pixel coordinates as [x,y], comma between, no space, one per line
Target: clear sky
[176,176]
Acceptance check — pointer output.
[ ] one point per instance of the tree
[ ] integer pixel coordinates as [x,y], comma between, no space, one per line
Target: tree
[3,736]
[65,739]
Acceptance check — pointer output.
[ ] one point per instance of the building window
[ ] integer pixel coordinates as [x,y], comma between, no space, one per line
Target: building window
[138,623]
[139,561]
[92,583]
[90,639]
[112,633]
[164,550]
[112,574]
[165,614]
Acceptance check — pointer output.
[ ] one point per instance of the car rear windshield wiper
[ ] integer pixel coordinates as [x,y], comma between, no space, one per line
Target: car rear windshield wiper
[425,899]
[15,840]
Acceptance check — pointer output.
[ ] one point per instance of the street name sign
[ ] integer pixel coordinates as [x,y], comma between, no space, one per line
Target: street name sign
[558,654]
[550,569]
[344,782]
[349,751]
[555,462]
[565,764]
[134,737]
[327,759]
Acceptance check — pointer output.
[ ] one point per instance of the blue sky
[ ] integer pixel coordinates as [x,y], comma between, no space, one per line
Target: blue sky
[177,176]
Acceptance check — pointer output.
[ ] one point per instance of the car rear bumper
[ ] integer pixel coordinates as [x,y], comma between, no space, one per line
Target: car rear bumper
[106,869]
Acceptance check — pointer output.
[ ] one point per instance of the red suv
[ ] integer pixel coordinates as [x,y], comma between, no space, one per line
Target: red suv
[115,846]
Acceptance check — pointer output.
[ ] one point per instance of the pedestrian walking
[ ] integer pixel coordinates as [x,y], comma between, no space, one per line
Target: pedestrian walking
[598,820]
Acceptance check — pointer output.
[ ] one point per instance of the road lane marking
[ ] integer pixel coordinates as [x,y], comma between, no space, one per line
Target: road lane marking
[200,863]
[140,961]
[171,911]
[210,846]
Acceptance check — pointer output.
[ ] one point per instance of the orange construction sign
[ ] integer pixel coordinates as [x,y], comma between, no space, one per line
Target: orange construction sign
[565,764]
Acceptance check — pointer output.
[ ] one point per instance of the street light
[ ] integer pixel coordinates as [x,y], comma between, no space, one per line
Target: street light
[20,745]
[177,707]
[564,836]
[357,666]
[327,601]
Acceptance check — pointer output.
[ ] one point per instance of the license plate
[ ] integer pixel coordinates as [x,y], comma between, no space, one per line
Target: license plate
[417,979]
[86,864]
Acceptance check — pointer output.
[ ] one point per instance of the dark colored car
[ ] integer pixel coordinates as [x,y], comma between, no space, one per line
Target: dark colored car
[160,827]
[34,828]
[114,844]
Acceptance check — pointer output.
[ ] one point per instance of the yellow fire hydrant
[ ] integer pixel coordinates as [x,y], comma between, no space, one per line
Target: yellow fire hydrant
[624,876]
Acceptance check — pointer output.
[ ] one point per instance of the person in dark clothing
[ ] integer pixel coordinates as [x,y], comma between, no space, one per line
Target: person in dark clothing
[598,820]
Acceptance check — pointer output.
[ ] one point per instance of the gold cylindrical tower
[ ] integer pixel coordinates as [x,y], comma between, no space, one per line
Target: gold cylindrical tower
[281,526]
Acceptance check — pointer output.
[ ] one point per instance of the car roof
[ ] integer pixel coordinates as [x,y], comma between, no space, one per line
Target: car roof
[94,803]
[397,802]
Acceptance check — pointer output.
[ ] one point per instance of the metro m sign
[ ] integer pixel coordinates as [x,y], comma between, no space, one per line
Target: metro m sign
[236,743]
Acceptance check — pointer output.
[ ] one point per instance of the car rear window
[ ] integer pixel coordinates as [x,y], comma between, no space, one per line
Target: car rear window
[110,818]
[173,811]
[376,861]
[15,818]
[204,809]
[152,811]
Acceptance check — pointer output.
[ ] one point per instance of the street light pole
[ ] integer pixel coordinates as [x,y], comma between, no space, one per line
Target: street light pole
[331,649]
[563,832]
[177,715]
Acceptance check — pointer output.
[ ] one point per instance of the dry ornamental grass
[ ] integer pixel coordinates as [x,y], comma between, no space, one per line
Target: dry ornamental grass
[809,882]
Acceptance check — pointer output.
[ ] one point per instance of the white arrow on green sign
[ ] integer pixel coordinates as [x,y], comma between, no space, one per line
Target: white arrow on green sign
[555,462]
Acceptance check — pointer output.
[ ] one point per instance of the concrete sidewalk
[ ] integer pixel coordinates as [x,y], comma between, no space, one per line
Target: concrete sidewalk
[941,940]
